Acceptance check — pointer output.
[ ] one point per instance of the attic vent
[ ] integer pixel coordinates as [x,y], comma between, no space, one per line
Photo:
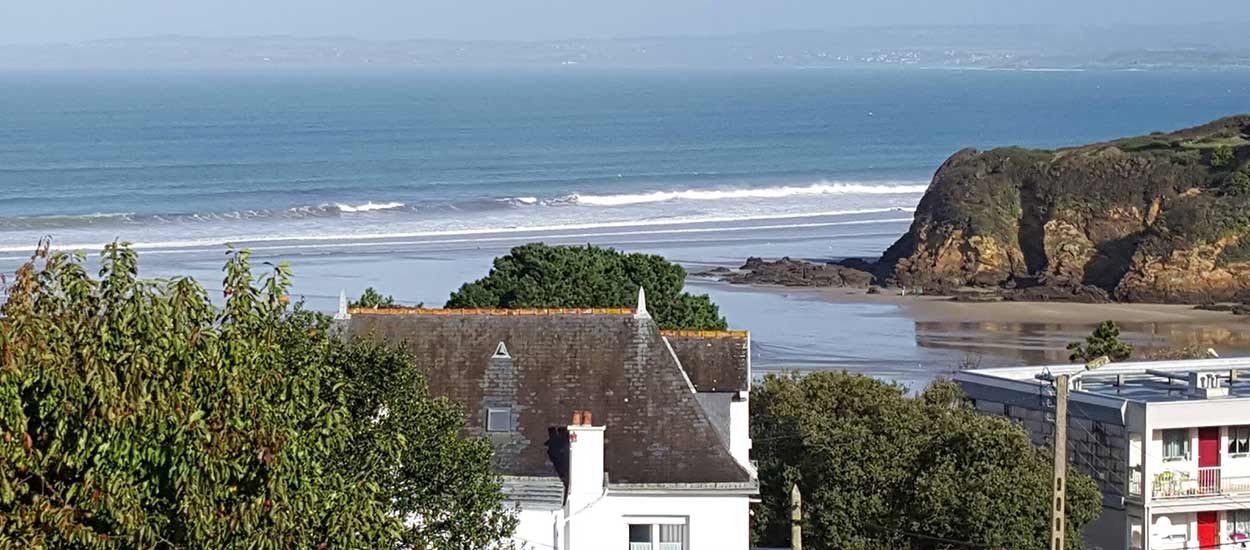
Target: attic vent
[501,352]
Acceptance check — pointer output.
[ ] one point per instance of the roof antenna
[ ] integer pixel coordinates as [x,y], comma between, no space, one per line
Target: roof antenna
[641,312]
[343,314]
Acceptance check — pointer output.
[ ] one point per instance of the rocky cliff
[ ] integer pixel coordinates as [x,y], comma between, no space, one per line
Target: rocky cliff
[1157,218]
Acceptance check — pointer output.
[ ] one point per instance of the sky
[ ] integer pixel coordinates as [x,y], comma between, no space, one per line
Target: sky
[41,21]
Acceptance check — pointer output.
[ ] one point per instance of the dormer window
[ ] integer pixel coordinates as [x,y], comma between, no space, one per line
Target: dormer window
[499,419]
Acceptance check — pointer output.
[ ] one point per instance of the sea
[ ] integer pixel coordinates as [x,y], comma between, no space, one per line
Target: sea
[411,181]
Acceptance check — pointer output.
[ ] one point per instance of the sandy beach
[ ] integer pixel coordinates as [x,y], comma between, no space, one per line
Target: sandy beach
[943,309]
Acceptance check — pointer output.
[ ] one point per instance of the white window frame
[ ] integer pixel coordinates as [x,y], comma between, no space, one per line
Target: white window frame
[1238,440]
[655,522]
[1231,518]
[506,412]
[1184,446]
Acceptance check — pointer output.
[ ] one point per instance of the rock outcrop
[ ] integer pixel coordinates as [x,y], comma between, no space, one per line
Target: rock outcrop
[1158,218]
[788,272]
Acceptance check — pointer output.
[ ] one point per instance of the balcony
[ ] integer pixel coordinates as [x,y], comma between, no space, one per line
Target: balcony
[1208,482]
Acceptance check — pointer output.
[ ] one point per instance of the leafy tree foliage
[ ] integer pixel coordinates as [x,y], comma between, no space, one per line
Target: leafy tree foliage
[408,442]
[372,298]
[1223,157]
[1238,182]
[881,470]
[1105,340]
[537,275]
[135,413]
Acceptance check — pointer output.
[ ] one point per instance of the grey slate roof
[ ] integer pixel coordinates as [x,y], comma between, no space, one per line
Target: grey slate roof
[534,493]
[612,364]
[716,361]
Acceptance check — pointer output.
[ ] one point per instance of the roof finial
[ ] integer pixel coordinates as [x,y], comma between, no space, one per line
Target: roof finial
[641,312]
[342,315]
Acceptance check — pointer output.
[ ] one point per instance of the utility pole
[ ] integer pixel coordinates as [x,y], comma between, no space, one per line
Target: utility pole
[1061,460]
[796,518]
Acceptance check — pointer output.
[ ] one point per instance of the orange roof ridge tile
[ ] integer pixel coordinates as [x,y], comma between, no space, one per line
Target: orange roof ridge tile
[491,311]
[706,333]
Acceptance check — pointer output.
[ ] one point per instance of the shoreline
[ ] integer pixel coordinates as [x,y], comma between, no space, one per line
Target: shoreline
[944,308]
[890,335]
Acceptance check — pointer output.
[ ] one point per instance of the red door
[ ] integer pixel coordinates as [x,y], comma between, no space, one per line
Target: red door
[1208,530]
[1209,460]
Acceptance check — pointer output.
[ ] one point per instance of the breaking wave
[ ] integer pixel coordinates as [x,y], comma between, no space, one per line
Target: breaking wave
[365,210]
[823,188]
[368,207]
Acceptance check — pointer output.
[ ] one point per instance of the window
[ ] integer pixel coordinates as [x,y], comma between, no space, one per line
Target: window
[499,420]
[664,534]
[1238,440]
[639,537]
[1175,444]
[1239,521]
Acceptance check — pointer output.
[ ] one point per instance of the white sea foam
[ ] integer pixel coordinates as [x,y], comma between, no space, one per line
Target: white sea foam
[823,188]
[368,206]
[376,238]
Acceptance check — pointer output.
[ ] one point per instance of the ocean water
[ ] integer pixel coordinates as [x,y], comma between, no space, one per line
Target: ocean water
[412,181]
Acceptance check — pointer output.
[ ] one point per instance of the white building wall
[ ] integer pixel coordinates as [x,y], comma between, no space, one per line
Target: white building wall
[536,530]
[713,522]
[740,429]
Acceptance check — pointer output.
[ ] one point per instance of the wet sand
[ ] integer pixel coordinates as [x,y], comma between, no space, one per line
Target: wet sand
[913,339]
[943,309]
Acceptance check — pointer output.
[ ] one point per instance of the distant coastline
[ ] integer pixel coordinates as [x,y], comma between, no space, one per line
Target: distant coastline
[965,47]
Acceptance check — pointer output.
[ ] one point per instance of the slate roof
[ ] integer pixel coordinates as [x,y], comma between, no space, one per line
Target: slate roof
[535,493]
[716,361]
[608,362]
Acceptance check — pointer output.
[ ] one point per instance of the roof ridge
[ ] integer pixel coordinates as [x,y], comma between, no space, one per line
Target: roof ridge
[503,312]
[685,333]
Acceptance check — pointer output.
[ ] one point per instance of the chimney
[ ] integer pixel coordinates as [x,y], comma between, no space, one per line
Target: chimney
[586,479]
[1205,385]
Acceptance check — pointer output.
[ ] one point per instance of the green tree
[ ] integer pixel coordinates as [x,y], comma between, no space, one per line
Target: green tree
[878,468]
[408,442]
[374,299]
[135,413]
[537,275]
[1105,340]
[1222,157]
[1238,182]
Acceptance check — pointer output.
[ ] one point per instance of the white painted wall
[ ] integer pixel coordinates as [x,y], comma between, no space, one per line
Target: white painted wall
[1182,529]
[740,429]
[536,530]
[713,522]
[1199,412]
[585,465]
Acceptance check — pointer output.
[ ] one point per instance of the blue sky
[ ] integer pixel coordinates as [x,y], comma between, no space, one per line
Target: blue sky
[27,21]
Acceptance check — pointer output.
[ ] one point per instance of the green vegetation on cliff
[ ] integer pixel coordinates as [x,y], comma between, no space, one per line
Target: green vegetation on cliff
[1153,218]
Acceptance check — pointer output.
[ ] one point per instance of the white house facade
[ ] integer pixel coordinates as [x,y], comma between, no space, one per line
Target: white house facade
[1167,442]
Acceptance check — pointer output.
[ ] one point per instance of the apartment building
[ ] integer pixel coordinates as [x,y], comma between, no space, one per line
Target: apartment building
[1167,442]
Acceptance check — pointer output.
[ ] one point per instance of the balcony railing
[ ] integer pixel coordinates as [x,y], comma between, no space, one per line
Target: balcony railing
[1208,482]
